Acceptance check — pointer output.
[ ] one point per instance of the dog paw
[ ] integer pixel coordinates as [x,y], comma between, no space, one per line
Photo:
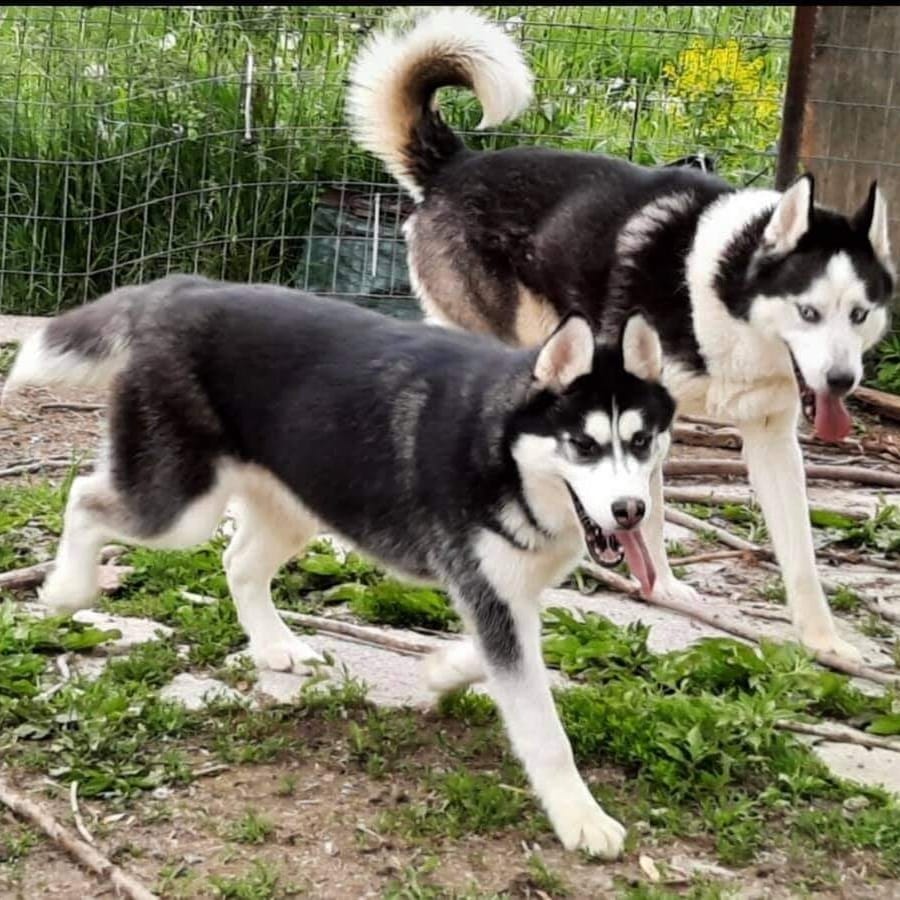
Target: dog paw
[673,589]
[286,654]
[828,642]
[63,595]
[453,667]
[585,826]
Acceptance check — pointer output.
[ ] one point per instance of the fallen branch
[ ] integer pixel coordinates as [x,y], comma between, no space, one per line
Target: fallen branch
[725,467]
[876,607]
[703,436]
[360,633]
[841,734]
[708,617]
[73,407]
[677,517]
[32,576]
[711,557]
[706,496]
[884,404]
[28,468]
[76,813]
[83,852]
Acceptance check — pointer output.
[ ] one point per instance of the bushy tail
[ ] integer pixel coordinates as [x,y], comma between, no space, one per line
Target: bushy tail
[395,77]
[86,347]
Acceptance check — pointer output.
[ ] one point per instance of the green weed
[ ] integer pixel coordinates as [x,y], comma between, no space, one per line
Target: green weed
[251,828]
[260,883]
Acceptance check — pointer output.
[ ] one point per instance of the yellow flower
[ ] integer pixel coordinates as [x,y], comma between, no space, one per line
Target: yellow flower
[719,87]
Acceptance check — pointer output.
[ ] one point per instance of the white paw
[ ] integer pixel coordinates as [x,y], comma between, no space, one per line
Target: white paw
[62,594]
[829,642]
[285,654]
[672,589]
[585,826]
[452,667]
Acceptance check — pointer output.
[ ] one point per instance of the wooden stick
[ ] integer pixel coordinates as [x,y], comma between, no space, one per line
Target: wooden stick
[884,404]
[706,496]
[74,407]
[32,576]
[40,466]
[702,436]
[856,474]
[714,619]
[841,734]
[711,557]
[677,517]
[879,610]
[83,852]
[360,633]
[76,813]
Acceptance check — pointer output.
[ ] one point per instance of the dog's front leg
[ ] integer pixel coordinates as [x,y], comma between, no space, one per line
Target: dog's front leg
[775,466]
[666,585]
[508,640]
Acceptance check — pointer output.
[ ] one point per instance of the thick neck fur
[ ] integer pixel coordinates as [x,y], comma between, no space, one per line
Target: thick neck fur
[726,235]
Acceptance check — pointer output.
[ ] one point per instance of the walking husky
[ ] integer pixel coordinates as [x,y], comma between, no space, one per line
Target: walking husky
[746,288]
[449,458]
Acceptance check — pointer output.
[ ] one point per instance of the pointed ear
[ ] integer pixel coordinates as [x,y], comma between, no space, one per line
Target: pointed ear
[566,355]
[641,349]
[792,217]
[872,220]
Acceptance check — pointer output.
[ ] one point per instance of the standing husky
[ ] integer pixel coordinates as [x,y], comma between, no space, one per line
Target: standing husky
[448,458]
[746,288]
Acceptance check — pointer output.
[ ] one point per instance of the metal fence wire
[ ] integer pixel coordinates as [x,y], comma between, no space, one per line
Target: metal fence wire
[137,141]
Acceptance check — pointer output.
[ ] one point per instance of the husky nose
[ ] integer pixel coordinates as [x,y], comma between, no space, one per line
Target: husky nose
[839,381]
[628,511]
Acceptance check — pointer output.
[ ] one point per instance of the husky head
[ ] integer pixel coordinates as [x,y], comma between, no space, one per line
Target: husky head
[595,427]
[821,282]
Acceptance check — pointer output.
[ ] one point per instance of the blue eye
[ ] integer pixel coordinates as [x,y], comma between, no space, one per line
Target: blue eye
[641,440]
[809,314]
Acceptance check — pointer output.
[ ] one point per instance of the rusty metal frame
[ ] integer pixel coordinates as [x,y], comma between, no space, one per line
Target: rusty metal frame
[802,40]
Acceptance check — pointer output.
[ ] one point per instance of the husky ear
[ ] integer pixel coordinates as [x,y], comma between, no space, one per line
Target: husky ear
[641,349]
[871,220]
[566,355]
[792,217]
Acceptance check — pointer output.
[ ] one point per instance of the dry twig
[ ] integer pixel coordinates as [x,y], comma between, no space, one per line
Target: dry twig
[83,852]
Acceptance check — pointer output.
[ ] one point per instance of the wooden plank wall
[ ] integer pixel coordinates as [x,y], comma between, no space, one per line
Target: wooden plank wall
[851,128]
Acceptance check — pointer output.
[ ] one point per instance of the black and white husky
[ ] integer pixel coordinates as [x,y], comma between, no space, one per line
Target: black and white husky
[748,289]
[449,458]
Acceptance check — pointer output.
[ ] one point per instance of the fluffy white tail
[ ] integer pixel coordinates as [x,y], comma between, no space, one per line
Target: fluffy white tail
[395,77]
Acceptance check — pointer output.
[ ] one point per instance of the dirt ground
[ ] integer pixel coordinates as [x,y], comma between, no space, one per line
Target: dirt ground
[326,842]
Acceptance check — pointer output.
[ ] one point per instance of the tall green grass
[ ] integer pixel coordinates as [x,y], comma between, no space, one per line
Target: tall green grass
[123,154]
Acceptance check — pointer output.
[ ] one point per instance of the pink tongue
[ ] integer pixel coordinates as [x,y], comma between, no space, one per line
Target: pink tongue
[638,559]
[833,422]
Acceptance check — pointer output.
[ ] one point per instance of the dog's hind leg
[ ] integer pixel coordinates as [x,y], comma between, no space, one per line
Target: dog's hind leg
[267,536]
[93,516]
[775,466]
[508,633]
[666,586]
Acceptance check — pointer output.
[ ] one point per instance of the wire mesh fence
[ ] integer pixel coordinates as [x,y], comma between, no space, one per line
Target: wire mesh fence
[137,141]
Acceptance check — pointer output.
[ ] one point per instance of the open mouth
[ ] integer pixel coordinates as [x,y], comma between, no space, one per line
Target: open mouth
[825,410]
[609,549]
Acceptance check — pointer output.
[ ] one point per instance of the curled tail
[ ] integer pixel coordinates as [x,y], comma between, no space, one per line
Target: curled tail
[395,77]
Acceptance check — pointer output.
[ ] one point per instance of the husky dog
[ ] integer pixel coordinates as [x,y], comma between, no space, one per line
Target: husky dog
[451,459]
[761,299]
